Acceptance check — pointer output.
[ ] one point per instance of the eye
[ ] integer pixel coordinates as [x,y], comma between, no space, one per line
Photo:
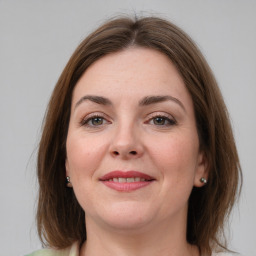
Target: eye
[94,121]
[162,120]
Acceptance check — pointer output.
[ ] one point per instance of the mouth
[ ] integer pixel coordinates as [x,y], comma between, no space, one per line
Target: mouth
[126,181]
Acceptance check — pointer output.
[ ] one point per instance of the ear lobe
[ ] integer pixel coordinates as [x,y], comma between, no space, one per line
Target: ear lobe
[68,181]
[67,167]
[201,174]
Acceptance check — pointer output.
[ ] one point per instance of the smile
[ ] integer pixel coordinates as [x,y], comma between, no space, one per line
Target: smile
[126,181]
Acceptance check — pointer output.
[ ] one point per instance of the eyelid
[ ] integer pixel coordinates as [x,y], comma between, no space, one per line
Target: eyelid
[160,114]
[83,121]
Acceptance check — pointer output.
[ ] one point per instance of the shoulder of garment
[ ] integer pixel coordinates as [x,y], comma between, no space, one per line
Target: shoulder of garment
[70,251]
[226,254]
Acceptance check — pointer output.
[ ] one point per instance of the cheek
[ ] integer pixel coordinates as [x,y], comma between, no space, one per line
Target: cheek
[83,155]
[176,157]
[83,159]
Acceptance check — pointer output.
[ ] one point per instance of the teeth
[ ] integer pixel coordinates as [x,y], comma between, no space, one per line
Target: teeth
[122,180]
[130,180]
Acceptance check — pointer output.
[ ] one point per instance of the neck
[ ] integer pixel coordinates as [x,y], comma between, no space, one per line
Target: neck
[164,239]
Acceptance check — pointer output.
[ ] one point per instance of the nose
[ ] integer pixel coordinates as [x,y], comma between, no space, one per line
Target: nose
[126,143]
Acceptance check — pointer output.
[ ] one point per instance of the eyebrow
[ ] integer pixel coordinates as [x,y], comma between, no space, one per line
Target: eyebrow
[148,100]
[157,99]
[96,99]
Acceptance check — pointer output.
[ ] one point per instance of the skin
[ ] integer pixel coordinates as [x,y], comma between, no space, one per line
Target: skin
[159,139]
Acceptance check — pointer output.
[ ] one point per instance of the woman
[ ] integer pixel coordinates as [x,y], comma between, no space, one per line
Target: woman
[137,155]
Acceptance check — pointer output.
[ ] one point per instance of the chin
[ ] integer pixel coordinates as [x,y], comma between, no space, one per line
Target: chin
[126,216]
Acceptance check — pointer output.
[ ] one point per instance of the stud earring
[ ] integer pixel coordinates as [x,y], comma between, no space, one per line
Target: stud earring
[203,180]
[68,182]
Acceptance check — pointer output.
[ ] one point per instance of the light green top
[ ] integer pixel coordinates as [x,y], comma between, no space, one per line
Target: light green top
[74,251]
[70,251]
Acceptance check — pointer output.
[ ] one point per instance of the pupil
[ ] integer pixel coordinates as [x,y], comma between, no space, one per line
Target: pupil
[159,120]
[97,121]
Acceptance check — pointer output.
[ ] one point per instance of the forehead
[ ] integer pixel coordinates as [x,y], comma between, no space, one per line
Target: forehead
[133,72]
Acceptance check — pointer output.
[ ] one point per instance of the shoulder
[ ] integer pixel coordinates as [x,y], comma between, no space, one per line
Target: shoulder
[226,254]
[70,251]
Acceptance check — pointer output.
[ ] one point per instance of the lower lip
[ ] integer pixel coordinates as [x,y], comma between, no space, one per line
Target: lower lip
[126,186]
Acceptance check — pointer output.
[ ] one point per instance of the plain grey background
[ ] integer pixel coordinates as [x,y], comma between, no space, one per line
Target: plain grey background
[37,39]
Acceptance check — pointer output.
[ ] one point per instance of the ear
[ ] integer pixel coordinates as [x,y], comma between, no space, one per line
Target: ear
[67,167]
[201,170]
[68,179]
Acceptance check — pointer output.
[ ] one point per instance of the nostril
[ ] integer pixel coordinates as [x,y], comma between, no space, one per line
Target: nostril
[115,153]
[118,153]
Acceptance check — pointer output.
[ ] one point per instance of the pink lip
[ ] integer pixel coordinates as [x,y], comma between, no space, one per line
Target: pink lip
[127,174]
[126,186]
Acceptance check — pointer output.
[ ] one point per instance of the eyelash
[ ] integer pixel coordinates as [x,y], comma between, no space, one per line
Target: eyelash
[165,117]
[87,122]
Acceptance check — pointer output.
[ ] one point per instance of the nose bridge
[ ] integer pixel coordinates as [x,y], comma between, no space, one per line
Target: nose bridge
[125,134]
[126,140]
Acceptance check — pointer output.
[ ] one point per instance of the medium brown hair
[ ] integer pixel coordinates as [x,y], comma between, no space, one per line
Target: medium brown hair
[60,218]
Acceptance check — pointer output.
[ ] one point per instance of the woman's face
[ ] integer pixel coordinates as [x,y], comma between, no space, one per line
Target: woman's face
[132,146]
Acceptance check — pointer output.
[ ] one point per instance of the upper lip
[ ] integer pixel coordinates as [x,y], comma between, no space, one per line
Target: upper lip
[125,174]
